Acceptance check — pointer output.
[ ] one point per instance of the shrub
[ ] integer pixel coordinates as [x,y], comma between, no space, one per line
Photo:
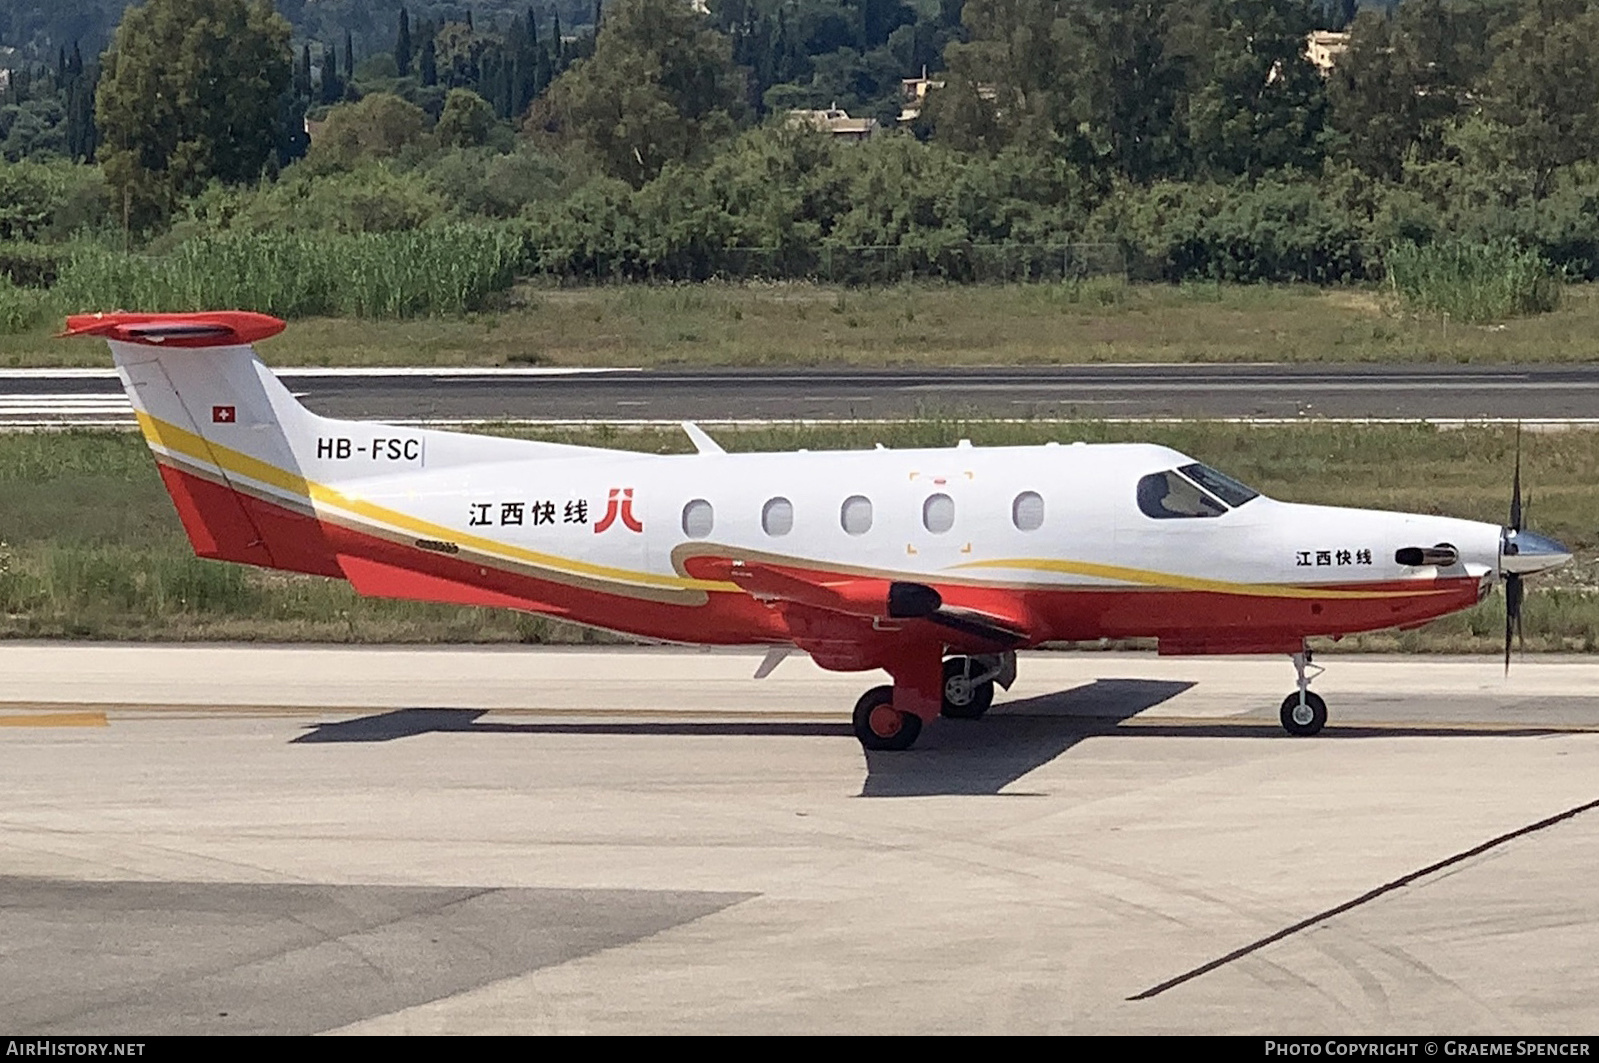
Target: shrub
[1267,231]
[30,265]
[371,199]
[465,121]
[1473,282]
[377,127]
[30,193]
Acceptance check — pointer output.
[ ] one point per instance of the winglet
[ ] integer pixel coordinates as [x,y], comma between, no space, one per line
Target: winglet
[223,328]
[702,442]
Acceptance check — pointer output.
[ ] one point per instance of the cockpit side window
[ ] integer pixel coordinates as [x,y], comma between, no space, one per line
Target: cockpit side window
[1166,495]
[1219,484]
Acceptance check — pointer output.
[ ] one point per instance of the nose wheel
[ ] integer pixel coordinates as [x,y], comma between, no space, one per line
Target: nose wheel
[1304,713]
[1303,718]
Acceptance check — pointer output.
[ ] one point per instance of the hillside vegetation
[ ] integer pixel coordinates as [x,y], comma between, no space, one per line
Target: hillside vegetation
[1447,164]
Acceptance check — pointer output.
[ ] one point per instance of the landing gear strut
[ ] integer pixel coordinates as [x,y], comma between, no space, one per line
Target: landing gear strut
[1304,713]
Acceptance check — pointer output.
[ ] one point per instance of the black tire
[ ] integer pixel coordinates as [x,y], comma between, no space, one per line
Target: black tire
[1303,728]
[977,700]
[874,711]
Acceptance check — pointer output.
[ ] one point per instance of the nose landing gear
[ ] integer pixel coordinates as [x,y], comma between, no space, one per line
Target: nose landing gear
[1304,713]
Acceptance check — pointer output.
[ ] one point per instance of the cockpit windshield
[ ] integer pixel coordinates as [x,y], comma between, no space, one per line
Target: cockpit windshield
[1166,495]
[1219,484]
[1191,491]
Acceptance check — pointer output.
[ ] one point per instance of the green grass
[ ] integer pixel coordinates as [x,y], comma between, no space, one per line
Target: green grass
[913,324]
[93,548]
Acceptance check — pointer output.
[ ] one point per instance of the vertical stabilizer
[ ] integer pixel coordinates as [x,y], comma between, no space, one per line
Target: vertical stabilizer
[220,426]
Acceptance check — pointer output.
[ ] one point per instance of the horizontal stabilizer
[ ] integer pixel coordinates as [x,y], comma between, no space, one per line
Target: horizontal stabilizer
[224,328]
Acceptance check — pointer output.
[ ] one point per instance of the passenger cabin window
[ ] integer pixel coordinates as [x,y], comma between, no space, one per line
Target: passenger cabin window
[938,514]
[1165,495]
[1027,512]
[698,519]
[777,516]
[856,514]
[1219,484]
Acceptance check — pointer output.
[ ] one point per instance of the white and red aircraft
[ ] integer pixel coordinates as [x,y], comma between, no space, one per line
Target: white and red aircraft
[933,565]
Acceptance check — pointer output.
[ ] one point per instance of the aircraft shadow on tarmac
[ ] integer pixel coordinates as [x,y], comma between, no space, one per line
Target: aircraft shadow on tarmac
[952,757]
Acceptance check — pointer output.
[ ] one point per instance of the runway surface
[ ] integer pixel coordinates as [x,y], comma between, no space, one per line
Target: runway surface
[1530,392]
[291,840]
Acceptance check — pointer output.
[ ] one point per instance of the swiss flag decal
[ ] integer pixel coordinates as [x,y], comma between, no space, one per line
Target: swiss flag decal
[222,415]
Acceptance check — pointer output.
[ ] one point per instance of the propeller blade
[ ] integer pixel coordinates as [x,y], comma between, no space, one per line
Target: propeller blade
[1513,598]
[1515,490]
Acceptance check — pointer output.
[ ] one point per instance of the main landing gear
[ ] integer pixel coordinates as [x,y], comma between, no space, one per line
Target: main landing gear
[1304,713]
[891,717]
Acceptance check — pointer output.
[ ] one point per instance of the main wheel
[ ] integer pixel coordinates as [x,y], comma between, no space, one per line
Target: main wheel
[879,725]
[1304,720]
[963,699]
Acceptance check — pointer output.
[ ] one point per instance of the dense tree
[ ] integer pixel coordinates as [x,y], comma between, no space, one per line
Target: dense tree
[402,45]
[661,86]
[1128,103]
[191,92]
[1543,88]
[376,127]
[1099,80]
[1405,76]
[466,120]
[1255,102]
[332,86]
[428,67]
[1013,79]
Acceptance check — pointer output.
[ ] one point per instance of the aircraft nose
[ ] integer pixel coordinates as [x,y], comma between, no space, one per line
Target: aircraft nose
[1523,552]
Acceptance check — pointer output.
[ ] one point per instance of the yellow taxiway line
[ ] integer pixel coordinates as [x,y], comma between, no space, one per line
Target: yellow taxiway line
[54,719]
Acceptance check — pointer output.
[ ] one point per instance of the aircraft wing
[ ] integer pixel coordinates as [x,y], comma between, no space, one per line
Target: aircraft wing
[867,597]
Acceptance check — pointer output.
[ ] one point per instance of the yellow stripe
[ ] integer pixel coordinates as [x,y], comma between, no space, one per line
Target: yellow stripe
[56,719]
[195,447]
[1185,583]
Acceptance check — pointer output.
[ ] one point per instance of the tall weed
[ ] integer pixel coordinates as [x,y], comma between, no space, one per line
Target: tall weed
[1473,282]
[21,308]
[422,273]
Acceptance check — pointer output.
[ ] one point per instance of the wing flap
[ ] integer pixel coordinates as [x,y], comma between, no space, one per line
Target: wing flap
[867,597]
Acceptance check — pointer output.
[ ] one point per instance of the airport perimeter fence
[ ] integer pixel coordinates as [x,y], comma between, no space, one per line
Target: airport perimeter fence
[845,264]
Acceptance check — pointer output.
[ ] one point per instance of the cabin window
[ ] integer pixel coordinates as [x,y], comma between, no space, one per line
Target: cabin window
[777,516]
[1027,512]
[938,514]
[1219,484]
[698,519]
[856,514]
[1165,495]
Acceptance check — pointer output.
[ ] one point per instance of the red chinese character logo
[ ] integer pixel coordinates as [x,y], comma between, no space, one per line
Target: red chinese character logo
[619,503]
[223,415]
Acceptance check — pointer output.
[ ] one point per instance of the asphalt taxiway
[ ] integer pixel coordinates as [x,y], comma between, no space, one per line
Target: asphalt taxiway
[232,839]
